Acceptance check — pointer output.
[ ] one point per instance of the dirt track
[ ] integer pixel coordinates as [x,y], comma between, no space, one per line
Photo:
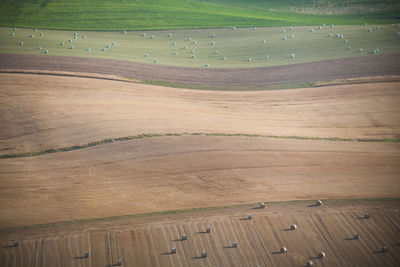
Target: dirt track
[307,72]
[146,241]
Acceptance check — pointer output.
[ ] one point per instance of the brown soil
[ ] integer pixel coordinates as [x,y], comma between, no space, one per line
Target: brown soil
[39,112]
[146,241]
[307,72]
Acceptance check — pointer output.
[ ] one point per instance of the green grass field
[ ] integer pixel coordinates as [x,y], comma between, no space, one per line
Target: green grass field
[174,14]
[237,46]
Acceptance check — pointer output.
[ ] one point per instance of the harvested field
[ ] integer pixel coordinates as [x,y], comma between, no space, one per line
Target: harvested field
[183,172]
[147,241]
[296,73]
[40,112]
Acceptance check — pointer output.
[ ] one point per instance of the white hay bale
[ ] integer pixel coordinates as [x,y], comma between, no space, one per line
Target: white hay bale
[249,216]
[46,51]
[189,38]
[41,34]
[284,38]
[86,255]
[283,250]
[155,61]
[330,35]
[169,35]
[152,37]
[144,35]
[234,244]
[208,229]
[35,30]
[30,35]
[292,55]
[174,43]
[318,203]
[88,49]
[146,55]
[377,28]
[321,254]
[194,42]
[123,32]
[310,263]
[360,50]
[75,37]
[21,43]
[175,53]
[345,41]
[319,27]
[311,30]
[283,31]
[323,25]
[377,50]
[385,249]
[398,33]
[184,237]
[369,30]
[69,41]
[255,28]
[397,25]
[266,57]
[83,36]
[113,43]
[223,58]
[213,43]
[293,227]
[374,52]
[72,47]
[15,244]
[194,56]
[61,43]
[108,46]
[192,51]
[332,26]
[38,47]
[356,236]
[234,28]
[185,47]
[204,254]
[263,41]
[262,204]
[367,215]
[216,52]
[173,250]
[75,34]
[292,36]
[348,48]
[206,65]
[365,24]
[104,49]
[291,28]
[213,35]
[14,29]
[12,34]
[249,59]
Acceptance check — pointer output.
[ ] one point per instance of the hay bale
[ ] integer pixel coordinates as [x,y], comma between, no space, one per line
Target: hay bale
[21,43]
[321,254]
[108,46]
[360,50]
[104,49]
[283,250]
[75,37]
[223,58]
[204,254]
[374,52]
[397,26]
[175,53]
[192,51]
[88,49]
[124,32]
[213,35]
[348,48]
[174,43]
[169,35]
[337,35]
[377,28]
[255,28]
[72,47]
[41,34]
[30,35]
[189,38]
[356,236]
[291,28]
[12,34]
[144,35]
[332,26]
[61,43]
[213,43]
[365,24]
[185,47]
[152,37]
[113,43]
[262,204]
[184,237]
[311,30]
[119,262]
[345,41]
[216,52]
[284,38]
[367,215]
[249,216]
[173,250]
[310,263]
[323,25]
[83,36]
[293,227]
[319,27]
[86,255]
[369,30]
[46,51]
[266,57]
[35,30]
[292,36]
[263,41]
[155,61]
[194,56]
[377,50]
[318,203]
[75,34]
[234,244]
[292,55]
[330,35]
[234,28]
[249,59]
[146,55]
[283,31]
[398,33]
[15,244]
[69,41]
[206,65]
[14,29]
[385,249]
[38,47]
[194,42]
[208,229]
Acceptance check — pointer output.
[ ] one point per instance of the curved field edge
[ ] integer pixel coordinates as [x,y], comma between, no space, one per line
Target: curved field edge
[184,76]
[141,136]
[193,210]
[134,15]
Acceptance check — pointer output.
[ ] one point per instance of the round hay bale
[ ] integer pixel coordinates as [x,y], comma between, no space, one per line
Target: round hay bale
[184,237]
[367,215]
[293,227]
[234,244]
[330,35]
[398,33]
[108,46]
[213,35]
[15,244]
[337,35]
[213,43]
[169,35]
[397,25]
[255,28]
[146,55]
[113,43]
[72,47]
[234,28]
[323,25]
[348,48]
[12,34]
[223,58]
[152,37]
[35,30]
[30,35]
[204,254]
[311,30]
[318,203]
[88,49]
[283,31]
[104,49]
[369,30]
[319,27]
[86,255]
[174,43]
[83,36]
[365,24]
[310,263]
[75,37]
[175,53]
[377,28]
[61,43]
[332,26]
[266,57]
[41,34]
[249,59]
[14,29]
[292,55]
[192,51]
[194,56]
[46,51]
[124,32]
[360,50]
[173,250]
[206,65]
[291,28]
[189,38]
[216,52]
[144,35]
[345,41]
[38,47]
[356,236]
[377,50]
[75,34]
[262,205]
[385,249]
[69,41]
[284,38]
[155,61]
[21,43]
[194,42]
[321,254]
[283,250]
[185,47]
[374,52]
[208,229]
[119,262]
[263,41]
[292,36]
[249,216]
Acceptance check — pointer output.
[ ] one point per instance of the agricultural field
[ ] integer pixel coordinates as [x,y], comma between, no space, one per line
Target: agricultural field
[213,48]
[148,240]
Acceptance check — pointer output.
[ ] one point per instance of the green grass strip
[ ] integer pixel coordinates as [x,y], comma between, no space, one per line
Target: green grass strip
[141,136]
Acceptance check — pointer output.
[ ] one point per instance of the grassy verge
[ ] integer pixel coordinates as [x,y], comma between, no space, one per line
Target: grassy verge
[141,136]
[169,212]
